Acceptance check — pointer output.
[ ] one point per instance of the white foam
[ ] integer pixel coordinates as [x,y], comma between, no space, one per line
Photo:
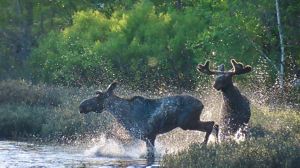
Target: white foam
[112,148]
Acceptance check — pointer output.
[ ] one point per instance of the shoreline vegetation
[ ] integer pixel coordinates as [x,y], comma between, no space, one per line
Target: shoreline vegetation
[46,114]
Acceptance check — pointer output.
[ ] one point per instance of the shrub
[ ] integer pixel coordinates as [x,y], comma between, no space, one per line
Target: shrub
[21,120]
[22,92]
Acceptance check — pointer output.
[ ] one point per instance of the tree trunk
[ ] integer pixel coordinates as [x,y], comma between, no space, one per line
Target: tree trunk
[25,18]
[178,4]
[282,58]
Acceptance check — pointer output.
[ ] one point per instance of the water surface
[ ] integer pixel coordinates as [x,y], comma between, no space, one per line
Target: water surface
[22,154]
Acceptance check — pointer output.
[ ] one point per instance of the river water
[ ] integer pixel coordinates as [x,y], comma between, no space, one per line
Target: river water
[23,155]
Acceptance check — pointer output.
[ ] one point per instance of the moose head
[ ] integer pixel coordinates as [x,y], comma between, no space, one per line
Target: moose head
[96,103]
[224,79]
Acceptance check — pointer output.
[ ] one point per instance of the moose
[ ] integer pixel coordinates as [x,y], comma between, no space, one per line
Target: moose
[145,118]
[235,111]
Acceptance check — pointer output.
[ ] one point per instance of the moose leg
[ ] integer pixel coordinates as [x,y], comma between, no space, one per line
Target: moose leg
[150,150]
[204,126]
[217,128]
[207,127]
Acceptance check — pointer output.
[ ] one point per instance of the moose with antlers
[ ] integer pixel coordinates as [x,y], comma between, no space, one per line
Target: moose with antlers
[146,118]
[235,111]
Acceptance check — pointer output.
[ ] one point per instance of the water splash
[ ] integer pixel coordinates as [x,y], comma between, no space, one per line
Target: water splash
[113,148]
[136,149]
[240,136]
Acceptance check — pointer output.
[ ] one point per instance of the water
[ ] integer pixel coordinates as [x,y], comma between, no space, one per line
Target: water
[22,154]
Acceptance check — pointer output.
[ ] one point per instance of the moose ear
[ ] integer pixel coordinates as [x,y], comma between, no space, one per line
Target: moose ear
[247,69]
[111,87]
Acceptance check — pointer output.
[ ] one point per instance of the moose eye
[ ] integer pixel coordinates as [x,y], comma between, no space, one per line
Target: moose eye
[98,93]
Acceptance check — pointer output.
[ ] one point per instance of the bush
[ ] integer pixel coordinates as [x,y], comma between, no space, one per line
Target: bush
[73,56]
[21,121]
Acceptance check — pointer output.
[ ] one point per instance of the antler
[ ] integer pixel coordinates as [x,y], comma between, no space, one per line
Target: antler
[239,68]
[205,69]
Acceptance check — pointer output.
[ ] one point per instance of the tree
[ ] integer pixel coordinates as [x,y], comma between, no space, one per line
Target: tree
[73,56]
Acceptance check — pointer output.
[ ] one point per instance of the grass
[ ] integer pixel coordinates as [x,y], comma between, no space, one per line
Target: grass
[274,142]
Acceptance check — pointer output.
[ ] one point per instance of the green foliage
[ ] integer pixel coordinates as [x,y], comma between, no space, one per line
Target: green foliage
[148,45]
[274,142]
[73,56]
[139,45]
[150,49]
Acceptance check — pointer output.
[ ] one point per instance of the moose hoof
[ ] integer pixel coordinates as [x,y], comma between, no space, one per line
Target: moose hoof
[150,161]
[216,127]
[150,158]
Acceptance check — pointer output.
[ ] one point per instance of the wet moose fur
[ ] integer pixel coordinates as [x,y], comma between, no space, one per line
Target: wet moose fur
[146,118]
[235,112]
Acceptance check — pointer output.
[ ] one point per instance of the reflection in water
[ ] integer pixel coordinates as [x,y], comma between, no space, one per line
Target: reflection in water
[21,154]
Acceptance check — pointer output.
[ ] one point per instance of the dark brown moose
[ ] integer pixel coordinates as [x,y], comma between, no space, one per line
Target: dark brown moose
[235,112]
[146,118]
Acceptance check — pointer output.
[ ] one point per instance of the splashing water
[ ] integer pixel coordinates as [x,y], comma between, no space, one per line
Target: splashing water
[112,148]
[239,136]
[136,149]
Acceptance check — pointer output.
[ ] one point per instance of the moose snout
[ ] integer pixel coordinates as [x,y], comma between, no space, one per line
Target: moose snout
[216,86]
[88,105]
[82,109]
